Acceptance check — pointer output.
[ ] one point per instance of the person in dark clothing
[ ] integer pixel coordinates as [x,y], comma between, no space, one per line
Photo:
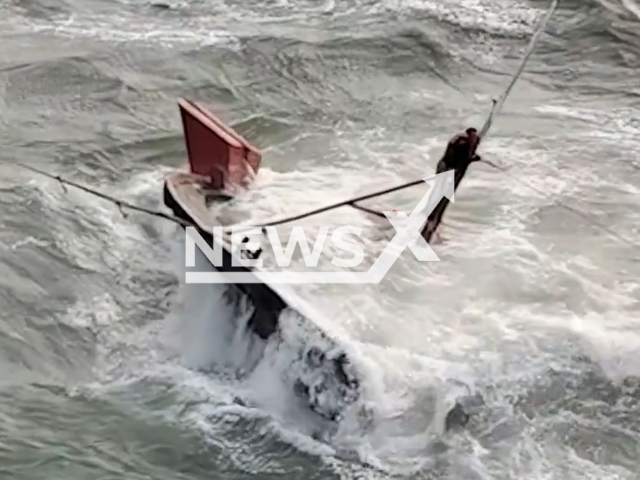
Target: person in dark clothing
[460,153]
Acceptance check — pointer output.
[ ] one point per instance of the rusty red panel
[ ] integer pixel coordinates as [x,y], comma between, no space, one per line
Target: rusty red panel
[215,150]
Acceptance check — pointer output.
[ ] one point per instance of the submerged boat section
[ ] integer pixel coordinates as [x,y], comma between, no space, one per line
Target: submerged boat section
[220,163]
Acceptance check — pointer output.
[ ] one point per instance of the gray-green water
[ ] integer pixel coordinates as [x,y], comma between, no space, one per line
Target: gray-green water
[110,368]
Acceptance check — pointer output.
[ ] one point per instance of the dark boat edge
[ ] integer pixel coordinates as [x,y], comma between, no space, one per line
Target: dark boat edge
[333,375]
[264,321]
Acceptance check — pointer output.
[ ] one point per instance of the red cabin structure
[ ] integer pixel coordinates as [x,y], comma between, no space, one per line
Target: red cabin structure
[215,150]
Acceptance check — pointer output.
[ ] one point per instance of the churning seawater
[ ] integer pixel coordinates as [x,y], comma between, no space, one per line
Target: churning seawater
[110,368]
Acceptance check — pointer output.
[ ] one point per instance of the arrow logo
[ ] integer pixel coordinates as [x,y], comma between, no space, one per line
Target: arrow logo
[407,235]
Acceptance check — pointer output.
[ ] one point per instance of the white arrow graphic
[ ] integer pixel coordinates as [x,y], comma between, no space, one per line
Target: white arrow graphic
[407,235]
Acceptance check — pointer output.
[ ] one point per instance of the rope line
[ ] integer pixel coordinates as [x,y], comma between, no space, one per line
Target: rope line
[497,104]
[121,204]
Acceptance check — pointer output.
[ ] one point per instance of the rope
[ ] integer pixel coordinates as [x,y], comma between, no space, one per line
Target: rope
[497,104]
[156,213]
[368,210]
[116,201]
[124,204]
[351,202]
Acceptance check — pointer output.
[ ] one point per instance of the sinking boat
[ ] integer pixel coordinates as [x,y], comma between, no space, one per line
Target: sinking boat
[221,162]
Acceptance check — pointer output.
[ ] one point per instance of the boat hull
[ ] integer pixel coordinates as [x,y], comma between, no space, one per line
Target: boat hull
[327,380]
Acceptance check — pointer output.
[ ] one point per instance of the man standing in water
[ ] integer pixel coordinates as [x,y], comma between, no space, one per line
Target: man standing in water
[460,153]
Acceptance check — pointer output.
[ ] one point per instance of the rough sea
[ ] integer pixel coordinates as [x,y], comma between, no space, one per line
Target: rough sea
[112,368]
